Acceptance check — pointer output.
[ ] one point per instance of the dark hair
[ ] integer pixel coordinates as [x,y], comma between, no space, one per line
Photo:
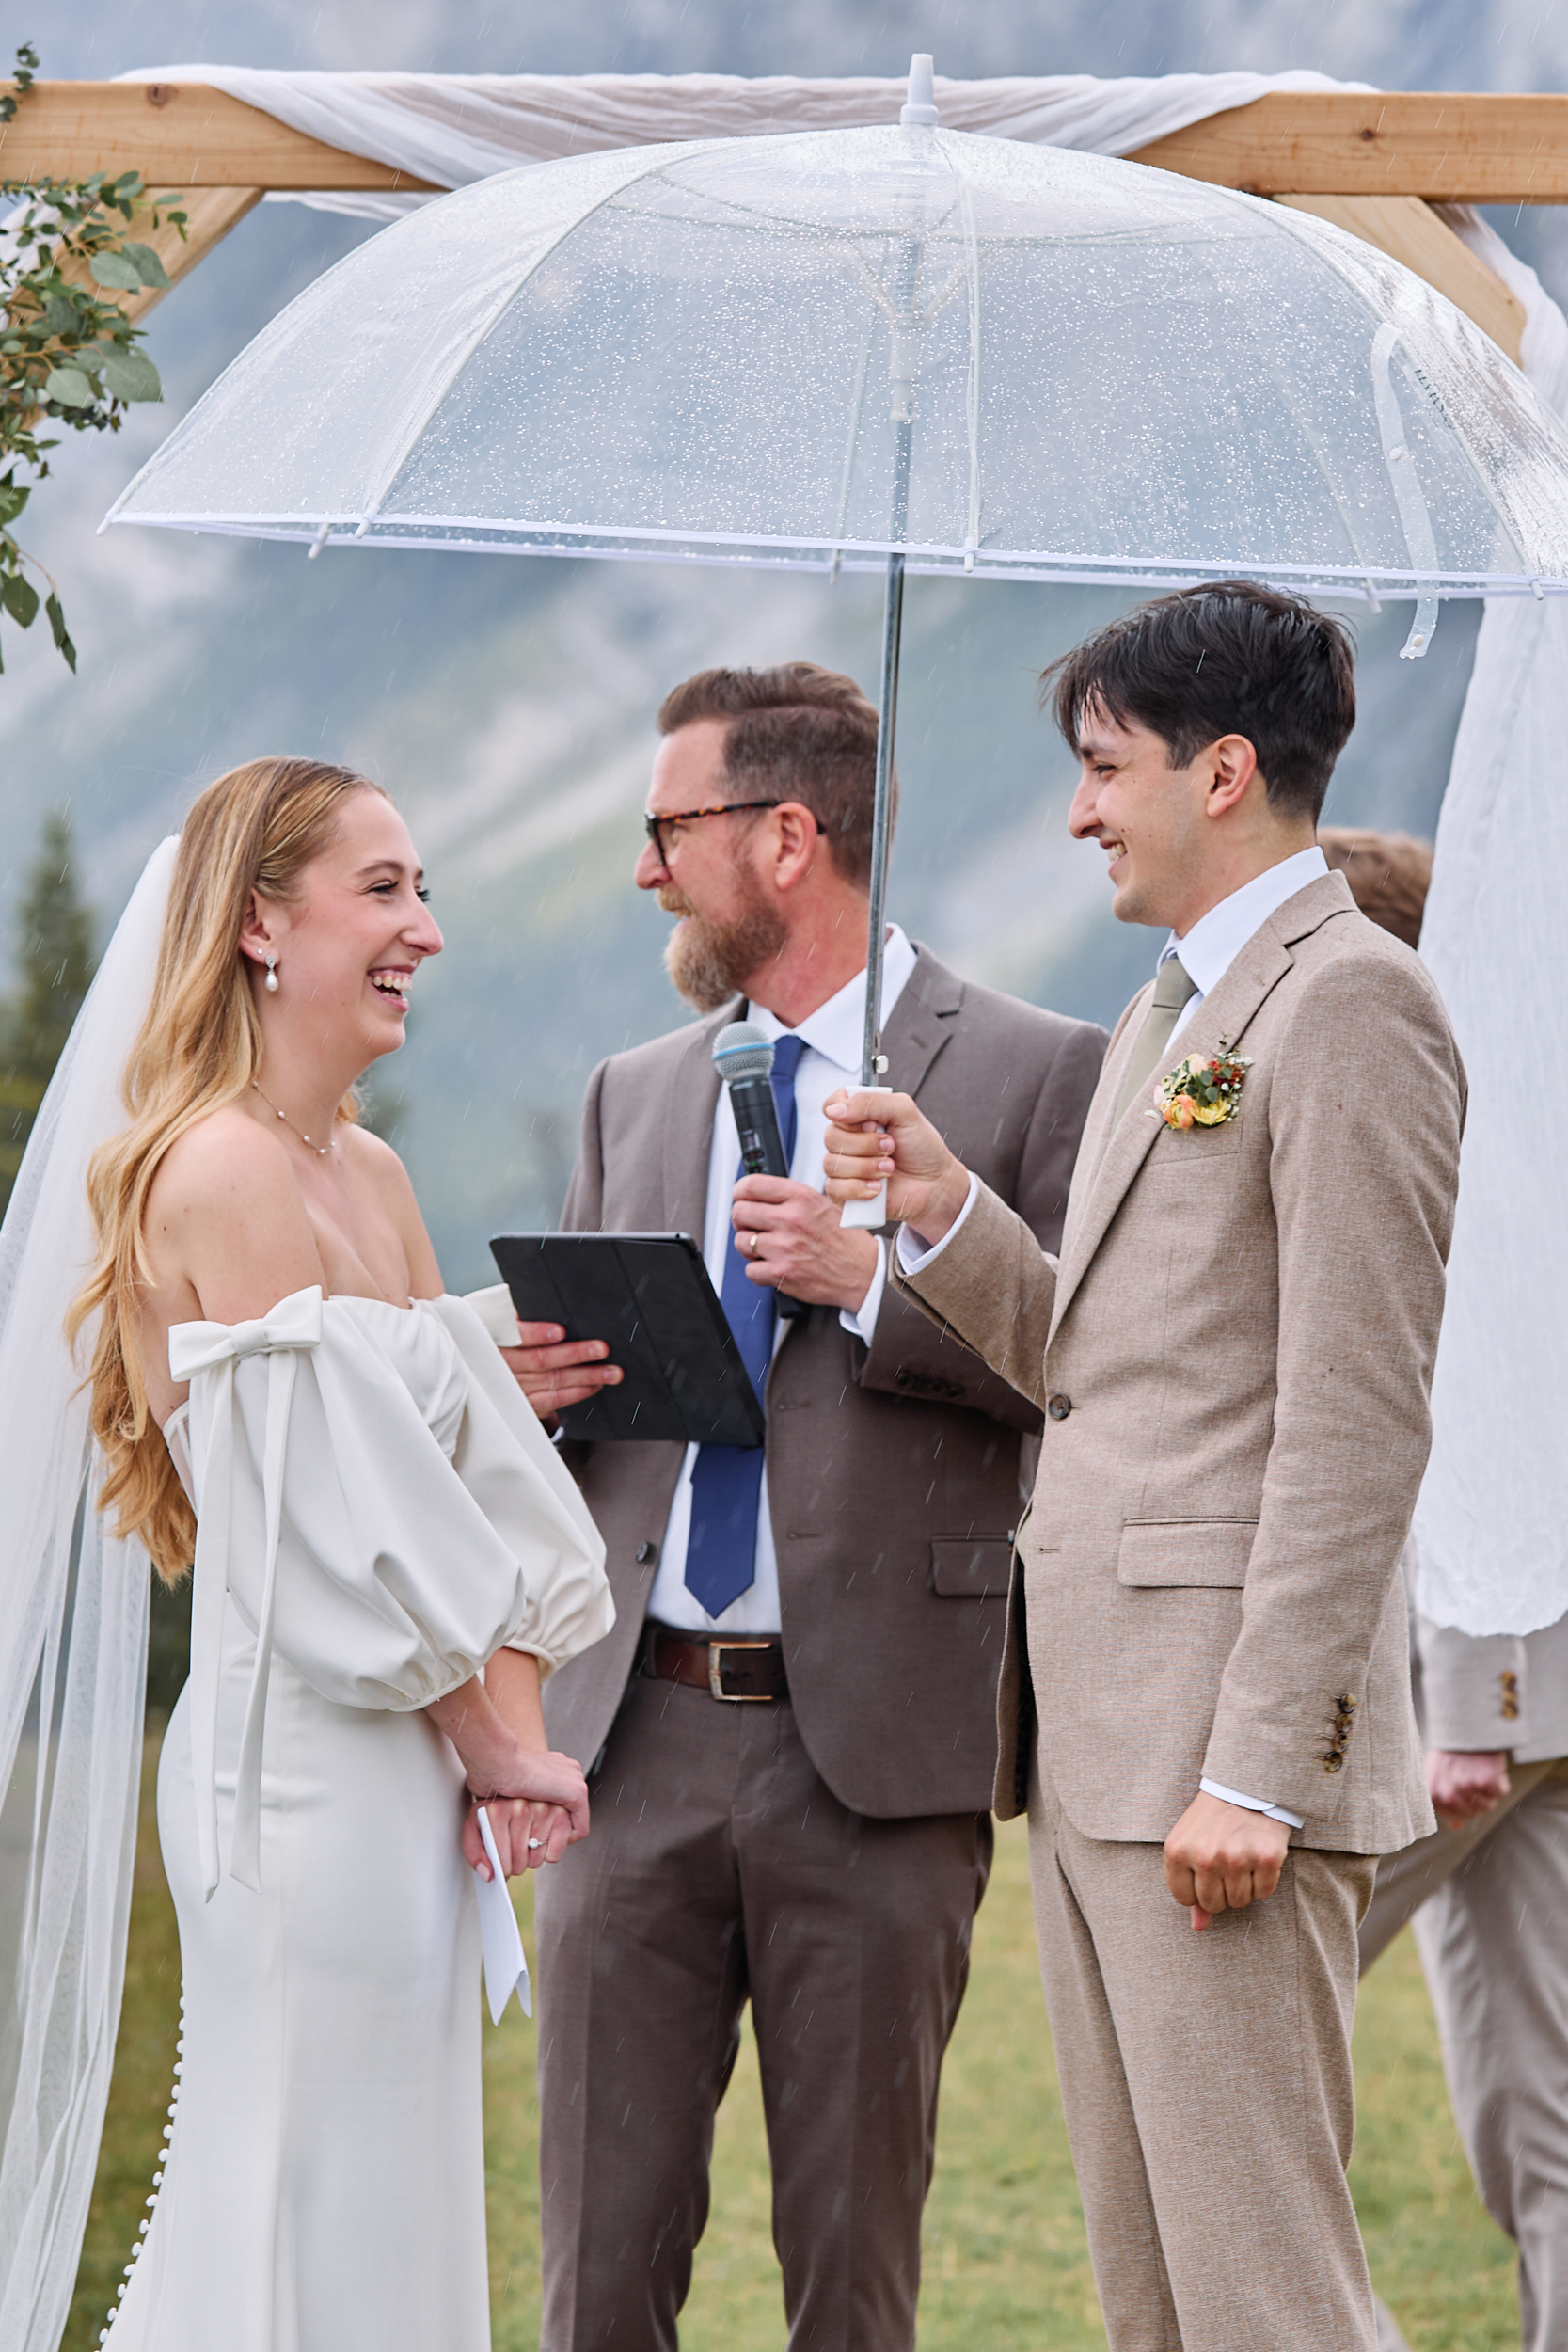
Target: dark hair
[1388,874]
[796,733]
[1234,659]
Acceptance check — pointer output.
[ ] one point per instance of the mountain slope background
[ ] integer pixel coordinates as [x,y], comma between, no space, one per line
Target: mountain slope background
[508,705]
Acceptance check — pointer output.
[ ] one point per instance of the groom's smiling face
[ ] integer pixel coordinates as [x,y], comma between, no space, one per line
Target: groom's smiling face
[1170,834]
[1146,816]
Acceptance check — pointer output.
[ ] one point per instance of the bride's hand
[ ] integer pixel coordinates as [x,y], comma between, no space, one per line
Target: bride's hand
[499,1763]
[539,1777]
[526,1835]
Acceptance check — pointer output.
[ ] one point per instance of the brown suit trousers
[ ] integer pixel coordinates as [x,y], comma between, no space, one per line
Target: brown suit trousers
[823,1855]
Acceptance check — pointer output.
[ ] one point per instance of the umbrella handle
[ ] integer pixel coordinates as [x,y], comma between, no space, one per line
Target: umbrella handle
[867,1216]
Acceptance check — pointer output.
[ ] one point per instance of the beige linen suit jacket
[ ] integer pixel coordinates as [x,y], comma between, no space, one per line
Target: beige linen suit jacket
[1234,1353]
[892,1472]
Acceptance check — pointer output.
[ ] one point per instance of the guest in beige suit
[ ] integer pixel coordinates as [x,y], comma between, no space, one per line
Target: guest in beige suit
[1488,1891]
[1233,1351]
[791,1733]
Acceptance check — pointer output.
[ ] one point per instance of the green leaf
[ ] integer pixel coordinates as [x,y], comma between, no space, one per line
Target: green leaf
[13,497]
[68,387]
[131,375]
[20,598]
[57,622]
[113,269]
[146,264]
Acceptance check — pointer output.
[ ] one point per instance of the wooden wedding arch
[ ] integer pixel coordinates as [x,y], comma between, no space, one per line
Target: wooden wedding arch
[1381,164]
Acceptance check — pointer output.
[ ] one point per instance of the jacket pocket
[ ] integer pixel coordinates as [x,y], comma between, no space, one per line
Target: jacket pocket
[1185,1551]
[977,1567]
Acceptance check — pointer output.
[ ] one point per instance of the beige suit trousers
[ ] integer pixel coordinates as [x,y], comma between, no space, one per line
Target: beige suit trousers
[1208,2092]
[1490,1908]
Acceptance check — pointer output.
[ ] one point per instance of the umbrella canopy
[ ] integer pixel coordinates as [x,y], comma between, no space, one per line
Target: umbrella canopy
[897,347]
[1014,361]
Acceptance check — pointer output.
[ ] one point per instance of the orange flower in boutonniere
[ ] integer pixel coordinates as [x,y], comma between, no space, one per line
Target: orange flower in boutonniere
[1202,1091]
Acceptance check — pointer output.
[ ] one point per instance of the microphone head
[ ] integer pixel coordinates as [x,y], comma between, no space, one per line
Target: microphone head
[743,1051]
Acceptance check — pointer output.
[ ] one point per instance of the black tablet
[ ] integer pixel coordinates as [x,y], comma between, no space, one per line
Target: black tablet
[649,1297]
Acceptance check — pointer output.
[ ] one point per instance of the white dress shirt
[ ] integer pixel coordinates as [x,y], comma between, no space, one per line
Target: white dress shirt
[831,1059]
[1206,953]
[1217,938]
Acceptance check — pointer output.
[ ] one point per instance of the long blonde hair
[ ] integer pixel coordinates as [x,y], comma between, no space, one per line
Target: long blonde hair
[256,829]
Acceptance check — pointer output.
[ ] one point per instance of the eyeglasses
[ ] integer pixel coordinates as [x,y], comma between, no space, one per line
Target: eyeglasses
[693,815]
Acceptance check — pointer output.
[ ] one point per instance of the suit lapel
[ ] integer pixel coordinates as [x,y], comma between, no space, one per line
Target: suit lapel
[688,1128]
[1221,1019]
[921,1022]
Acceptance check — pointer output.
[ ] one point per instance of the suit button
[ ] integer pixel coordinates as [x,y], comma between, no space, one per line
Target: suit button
[646,1552]
[1059,1408]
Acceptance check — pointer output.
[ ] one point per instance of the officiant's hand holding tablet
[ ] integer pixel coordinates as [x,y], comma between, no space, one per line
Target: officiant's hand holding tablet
[553,1371]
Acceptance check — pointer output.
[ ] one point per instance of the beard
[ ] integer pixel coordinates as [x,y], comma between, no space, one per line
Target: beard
[710,962]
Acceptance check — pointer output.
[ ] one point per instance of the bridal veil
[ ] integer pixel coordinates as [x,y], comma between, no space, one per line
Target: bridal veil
[73,1616]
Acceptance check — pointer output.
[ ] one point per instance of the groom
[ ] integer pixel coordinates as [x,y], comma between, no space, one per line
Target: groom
[1233,1353]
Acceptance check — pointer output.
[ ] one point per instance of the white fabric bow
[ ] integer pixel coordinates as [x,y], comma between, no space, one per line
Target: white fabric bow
[293,1324]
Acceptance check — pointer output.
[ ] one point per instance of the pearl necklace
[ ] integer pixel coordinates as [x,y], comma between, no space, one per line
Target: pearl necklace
[320,1150]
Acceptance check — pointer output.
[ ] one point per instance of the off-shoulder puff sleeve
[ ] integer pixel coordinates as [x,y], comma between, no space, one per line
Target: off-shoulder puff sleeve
[381,1507]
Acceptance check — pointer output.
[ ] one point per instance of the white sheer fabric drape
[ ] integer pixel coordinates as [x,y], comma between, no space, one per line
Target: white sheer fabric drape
[1492,1524]
[74,1605]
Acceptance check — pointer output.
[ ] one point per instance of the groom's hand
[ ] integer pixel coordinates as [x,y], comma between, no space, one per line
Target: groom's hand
[1221,1857]
[873,1137]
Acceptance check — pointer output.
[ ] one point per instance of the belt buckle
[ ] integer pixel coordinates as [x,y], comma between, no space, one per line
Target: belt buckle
[715,1675]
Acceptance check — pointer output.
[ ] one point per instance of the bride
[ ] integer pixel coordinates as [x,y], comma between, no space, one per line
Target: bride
[388,1558]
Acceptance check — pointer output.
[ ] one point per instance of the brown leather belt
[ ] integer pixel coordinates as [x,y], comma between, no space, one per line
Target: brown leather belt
[737,1667]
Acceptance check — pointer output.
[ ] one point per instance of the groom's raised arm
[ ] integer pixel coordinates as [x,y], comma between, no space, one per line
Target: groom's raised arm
[962,1256]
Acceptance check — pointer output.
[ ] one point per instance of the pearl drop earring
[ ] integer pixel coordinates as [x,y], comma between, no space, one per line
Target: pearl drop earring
[270,983]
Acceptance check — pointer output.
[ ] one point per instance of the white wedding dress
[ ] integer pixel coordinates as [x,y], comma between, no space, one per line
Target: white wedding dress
[378,1512]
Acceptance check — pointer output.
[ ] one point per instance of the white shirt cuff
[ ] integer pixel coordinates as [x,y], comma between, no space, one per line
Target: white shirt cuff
[911,1257]
[1252,1804]
[862,1324]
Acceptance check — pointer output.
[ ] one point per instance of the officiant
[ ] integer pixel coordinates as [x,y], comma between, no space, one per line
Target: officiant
[791,1729]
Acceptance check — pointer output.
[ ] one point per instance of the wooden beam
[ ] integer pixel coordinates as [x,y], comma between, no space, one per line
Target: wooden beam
[1410,232]
[1446,146]
[177,134]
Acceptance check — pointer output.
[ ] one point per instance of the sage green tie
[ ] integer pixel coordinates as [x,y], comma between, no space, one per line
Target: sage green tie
[1173,989]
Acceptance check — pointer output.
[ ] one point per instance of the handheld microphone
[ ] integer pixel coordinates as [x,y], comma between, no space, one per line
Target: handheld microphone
[744,1059]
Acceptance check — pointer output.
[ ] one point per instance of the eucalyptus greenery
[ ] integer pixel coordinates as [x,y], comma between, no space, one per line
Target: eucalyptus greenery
[67,352]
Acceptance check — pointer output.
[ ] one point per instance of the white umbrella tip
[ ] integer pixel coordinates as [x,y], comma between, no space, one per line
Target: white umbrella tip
[922,105]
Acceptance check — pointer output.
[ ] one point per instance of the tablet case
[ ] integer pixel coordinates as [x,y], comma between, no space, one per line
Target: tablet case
[648,1295]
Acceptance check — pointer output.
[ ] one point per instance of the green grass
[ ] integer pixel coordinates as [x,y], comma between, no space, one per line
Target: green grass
[1005,2263]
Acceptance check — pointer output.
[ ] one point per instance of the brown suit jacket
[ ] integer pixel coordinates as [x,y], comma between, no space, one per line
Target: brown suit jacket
[893,1472]
[1235,1356]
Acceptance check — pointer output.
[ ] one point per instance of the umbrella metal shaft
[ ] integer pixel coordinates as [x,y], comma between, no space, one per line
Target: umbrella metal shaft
[881,825]
[872,1064]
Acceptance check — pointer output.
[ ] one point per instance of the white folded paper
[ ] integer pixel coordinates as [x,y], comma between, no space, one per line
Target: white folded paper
[505,1964]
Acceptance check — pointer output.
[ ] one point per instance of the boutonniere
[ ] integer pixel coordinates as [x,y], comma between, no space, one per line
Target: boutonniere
[1204,1090]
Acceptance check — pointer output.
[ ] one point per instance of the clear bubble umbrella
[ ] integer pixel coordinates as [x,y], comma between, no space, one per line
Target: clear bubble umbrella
[902,349]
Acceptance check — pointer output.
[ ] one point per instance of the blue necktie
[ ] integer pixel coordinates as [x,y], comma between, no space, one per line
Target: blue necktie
[726,1480]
